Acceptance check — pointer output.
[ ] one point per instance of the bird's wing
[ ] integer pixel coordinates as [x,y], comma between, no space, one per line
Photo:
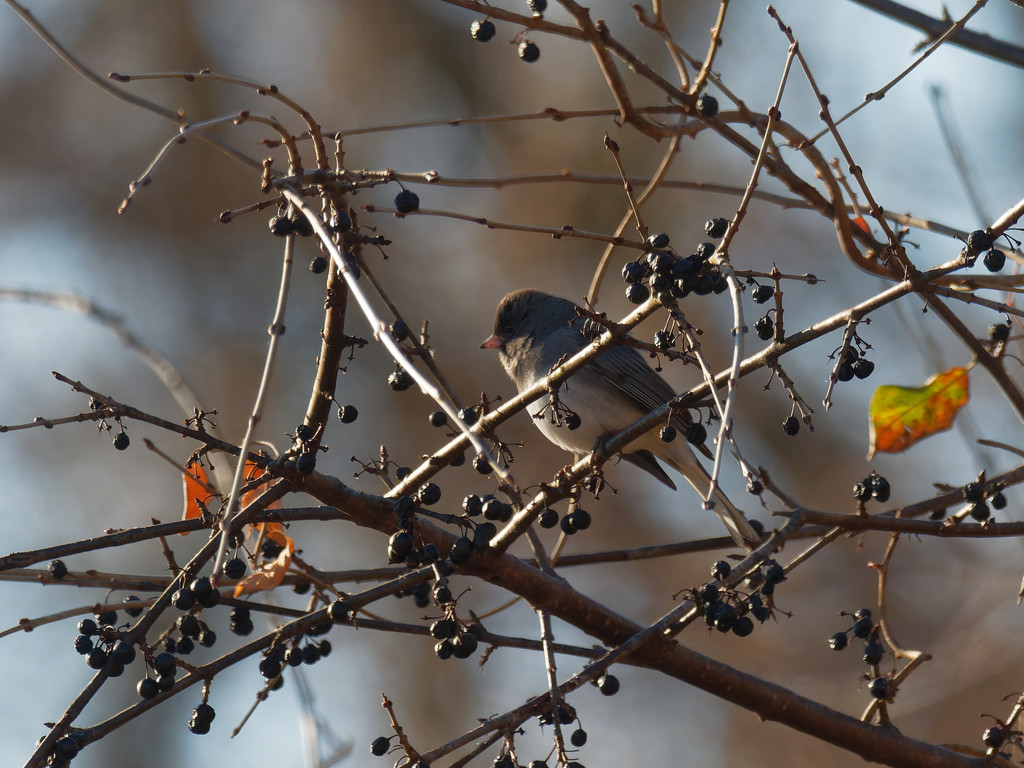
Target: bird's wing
[625,369]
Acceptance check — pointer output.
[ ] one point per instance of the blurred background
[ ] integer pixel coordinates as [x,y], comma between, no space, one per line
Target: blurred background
[203,293]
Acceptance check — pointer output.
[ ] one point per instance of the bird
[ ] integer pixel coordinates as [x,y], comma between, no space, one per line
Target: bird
[535,331]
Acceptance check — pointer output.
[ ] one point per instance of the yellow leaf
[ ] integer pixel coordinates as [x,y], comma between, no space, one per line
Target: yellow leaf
[901,416]
[270,575]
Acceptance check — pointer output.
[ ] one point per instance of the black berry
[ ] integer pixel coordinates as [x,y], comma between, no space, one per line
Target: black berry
[235,568]
[743,626]
[873,652]
[528,51]
[301,225]
[994,260]
[716,227]
[381,744]
[148,688]
[707,106]
[347,414]
[482,536]
[341,222]
[134,612]
[481,30]
[863,368]
[87,627]
[461,550]
[400,380]
[659,240]
[791,426]
[633,272]
[429,493]
[980,511]
[879,687]
[579,519]
[58,570]
[999,333]
[993,737]
[464,645]
[66,748]
[637,293]
[862,627]
[121,441]
[764,328]
[696,434]
[305,463]
[407,201]
[183,599]
[280,226]
[880,488]
[979,241]
[608,684]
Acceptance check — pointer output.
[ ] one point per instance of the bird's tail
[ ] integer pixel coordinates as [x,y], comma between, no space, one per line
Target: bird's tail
[740,530]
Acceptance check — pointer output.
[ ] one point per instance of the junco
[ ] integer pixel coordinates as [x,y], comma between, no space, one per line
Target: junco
[534,331]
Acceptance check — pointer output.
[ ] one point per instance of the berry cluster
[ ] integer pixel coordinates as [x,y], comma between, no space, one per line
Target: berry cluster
[728,610]
[667,276]
[453,637]
[852,364]
[979,243]
[1001,735]
[874,486]
[880,686]
[695,433]
[99,641]
[402,544]
[483,30]
[292,654]
[296,224]
[201,718]
[982,497]
[65,750]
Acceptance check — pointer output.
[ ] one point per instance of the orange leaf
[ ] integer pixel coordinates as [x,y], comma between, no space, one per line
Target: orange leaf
[197,487]
[861,222]
[274,532]
[901,416]
[255,472]
[270,575]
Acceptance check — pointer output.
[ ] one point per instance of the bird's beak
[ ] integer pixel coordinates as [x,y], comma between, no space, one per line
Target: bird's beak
[493,342]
